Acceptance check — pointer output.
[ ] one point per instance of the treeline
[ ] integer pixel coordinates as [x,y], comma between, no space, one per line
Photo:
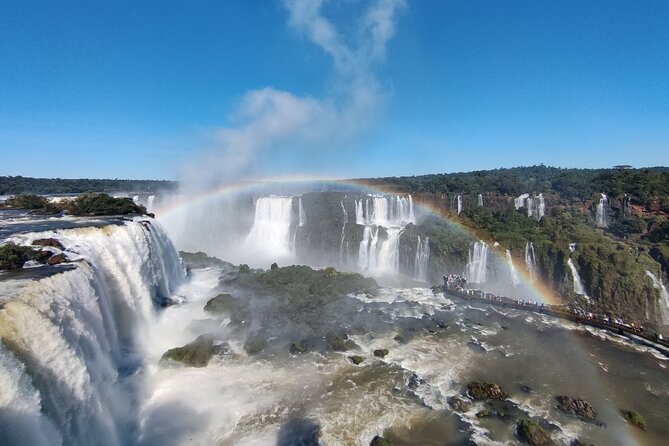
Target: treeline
[12,185]
[644,184]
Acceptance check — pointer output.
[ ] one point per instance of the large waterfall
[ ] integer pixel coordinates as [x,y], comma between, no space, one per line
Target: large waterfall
[70,340]
[663,305]
[422,259]
[512,269]
[578,285]
[530,261]
[478,262]
[601,215]
[270,234]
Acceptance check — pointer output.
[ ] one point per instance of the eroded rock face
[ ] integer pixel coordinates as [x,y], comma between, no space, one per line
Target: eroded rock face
[486,391]
[577,407]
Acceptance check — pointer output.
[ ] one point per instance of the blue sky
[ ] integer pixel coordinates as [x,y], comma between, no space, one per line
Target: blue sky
[241,88]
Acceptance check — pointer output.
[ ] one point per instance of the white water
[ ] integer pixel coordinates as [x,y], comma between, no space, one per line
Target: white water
[422,259]
[302,218]
[76,330]
[530,261]
[343,234]
[519,202]
[478,262]
[459,204]
[512,269]
[578,285]
[664,298]
[270,234]
[541,207]
[601,214]
[479,200]
[151,204]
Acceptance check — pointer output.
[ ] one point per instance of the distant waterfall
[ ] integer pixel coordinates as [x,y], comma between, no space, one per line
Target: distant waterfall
[389,254]
[541,207]
[343,234]
[519,202]
[664,298]
[135,199]
[479,200]
[601,215]
[530,206]
[421,260]
[302,217]
[530,261]
[478,260]
[151,204]
[67,337]
[512,269]
[578,285]
[459,198]
[270,233]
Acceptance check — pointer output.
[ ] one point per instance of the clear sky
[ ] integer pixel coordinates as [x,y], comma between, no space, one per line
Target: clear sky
[350,88]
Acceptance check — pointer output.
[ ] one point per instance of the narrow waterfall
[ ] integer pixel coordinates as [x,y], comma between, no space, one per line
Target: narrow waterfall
[530,261]
[459,198]
[270,233]
[359,214]
[601,216]
[530,206]
[151,204]
[512,269]
[422,259]
[578,285]
[540,207]
[389,254]
[343,234]
[479,200]
[135,199]
[302,217]
[663,304]
[68,337]
[478,260]
[367,254]
[520,201]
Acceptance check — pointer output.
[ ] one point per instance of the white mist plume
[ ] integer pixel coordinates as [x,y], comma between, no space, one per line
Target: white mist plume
[270,119]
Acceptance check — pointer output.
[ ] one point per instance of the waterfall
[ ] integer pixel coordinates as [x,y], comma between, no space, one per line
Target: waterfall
[343,233]
[135,199]
[572,247]
[151,204]
[421,260]
[302,219]
[520,201]
[359,215]
[530,261]
[459,198]
[364,252]
[479,200]
[601,214]
[270,233]
[530,206]
[512,269]
[389,254]
[578,285]
[664,298]
[68,337]
[540,207]
[477,265]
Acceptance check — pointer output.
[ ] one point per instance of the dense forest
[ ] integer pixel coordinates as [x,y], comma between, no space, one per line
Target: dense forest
[12,185]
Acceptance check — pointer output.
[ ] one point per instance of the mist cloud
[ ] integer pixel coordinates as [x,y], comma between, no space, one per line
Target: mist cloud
[268,119]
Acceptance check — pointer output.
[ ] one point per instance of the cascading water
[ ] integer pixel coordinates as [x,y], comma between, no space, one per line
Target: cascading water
[663,305]
[302,217]
[343,234]
[601,215]
[478,262]
[151,204]
[530,261]
[70,338]
[540,207]
[459,198]
[422,259]
[270,234]
[519,202]
[578,285]
[512,269]
[479,200]
[530,206]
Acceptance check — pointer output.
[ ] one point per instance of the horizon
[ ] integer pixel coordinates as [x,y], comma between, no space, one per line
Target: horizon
[248,90]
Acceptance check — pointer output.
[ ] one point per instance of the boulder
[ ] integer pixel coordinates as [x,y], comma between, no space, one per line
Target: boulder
[577,407]
[254,346]
[381,353]
[196,354]
[357,359]
[220,304]
[486,391]
[634,418]
[297,348]
[531,433]
[57,259]
[52,242]
[380,441]
[459,404]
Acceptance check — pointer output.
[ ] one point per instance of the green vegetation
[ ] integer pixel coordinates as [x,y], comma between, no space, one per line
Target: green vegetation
[634,418]
[254,346]
[221,303]
[13,256]
[531,433]
[357,359]
[13,185]
[33,203]
[381,353]
[196,354]
[486,391]
[102,204]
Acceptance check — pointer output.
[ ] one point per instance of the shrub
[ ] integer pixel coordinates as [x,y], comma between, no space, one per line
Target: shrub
[13,256]
[102,204]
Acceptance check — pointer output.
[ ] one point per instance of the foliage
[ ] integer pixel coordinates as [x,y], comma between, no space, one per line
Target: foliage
[13,256]
[530,432]
[102,204]
[635,418]
[12,185]
[33,203]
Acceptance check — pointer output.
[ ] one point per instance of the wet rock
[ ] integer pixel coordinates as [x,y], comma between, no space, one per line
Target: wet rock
[578,408]
[57,259]
[459,404]
[357,359]
[483,413]
[381,353]
[399,338]
[43,256]
[476,346]
[222,349]
[297,348]
[634,418]
[577,442]
[196,354]
[529,432]
[525,389]
[486,391]
[52,242]
[222,303]
[380,441]
[254,346]
[415,381]
[340,343]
